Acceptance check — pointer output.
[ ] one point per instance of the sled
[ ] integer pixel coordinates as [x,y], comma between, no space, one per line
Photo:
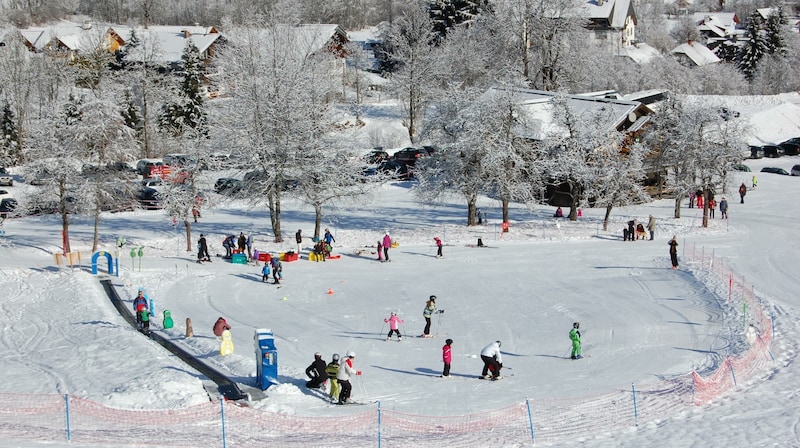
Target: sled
[226,347]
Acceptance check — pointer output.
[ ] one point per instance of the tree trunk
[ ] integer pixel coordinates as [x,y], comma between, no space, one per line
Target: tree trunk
[677,213]
[96,233]
[505,208]
[608,215]
[706,195]
[317,220]
[188,225]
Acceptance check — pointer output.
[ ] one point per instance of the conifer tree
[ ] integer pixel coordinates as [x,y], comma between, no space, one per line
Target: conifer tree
[775,38]
[10,152]
[753,48]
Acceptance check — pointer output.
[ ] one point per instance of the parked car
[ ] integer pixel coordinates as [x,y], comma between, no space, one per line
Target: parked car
[6,194]
[145,166]
[409,156]
[152,182]
[790,147]
[796,170]
[227,185]
[741,167]
[772,151]
[180,160]
[5,178]
[149,198]
[774,170]
[376,156]
[7,207]
[396,169]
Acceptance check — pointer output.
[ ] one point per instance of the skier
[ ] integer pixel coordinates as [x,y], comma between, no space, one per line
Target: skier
[139,304]
[144,316]
[447,357]
[242,242]
[430,310]
[438,247]
[332,370]
[673,251]
[742,192]
[380,251]
[492,359]
[202,249]
[575,337]
[387,243]
[345,370]
[328,238]
[265,272]
[393,321]
[277,270]
[220,326]
[317,372]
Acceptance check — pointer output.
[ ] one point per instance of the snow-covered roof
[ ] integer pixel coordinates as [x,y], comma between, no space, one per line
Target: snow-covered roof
[615,11]
[698,53]
[74,36]
[775,125]
[168,42]
[640,52]
[538,106]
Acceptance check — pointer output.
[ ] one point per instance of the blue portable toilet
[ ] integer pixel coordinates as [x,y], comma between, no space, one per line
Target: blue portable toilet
[266,358]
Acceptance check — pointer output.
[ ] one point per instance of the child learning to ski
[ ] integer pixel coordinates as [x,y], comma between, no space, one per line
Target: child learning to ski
[333,370]
[438,247]
[265,272]
[447,357]
[393,321]
[575,337]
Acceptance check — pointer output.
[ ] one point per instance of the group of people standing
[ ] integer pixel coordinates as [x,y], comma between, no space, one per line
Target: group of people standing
[636,230]
[339,376]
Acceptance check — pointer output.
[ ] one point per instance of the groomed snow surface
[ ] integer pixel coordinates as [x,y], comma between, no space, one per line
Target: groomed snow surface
[642,322]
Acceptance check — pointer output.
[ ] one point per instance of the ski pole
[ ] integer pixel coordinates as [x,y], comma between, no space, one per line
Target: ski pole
[439,322]
[382,327]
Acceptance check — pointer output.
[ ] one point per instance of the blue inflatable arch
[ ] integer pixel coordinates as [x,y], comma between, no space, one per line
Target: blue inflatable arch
[108,257]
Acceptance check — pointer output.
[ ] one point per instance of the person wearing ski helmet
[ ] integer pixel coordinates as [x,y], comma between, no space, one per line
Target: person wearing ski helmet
[430,310]
[575,337]
[492,360]
[447,357]
[332,370]
[393,322]
[345,371]
[317,372]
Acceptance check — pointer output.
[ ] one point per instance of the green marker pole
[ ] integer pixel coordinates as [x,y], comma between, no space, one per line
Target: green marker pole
[141,255]
[133,257]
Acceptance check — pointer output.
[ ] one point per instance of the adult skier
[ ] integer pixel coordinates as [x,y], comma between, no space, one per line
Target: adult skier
[139,304]
[202,249]
[393,322]
[673,251]
[317,372]
[575,337]
[345,371]
[333,370]
[492,360]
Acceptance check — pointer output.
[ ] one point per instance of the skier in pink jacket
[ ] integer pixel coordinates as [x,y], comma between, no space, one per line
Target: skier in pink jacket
[387,243]
[393,322]
[447,357]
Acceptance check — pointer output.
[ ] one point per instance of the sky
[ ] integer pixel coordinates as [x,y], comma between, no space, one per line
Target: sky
[641,321]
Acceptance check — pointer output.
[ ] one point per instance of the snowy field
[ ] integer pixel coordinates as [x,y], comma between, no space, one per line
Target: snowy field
[641,321]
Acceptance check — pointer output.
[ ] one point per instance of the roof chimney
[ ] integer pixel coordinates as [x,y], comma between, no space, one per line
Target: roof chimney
[186,33]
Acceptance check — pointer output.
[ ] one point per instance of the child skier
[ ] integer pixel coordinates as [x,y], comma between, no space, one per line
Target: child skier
[277,270]
[144,316]
[393,321]
[447,357]
[575,337]
[333,370]
[265,272]
[438,247]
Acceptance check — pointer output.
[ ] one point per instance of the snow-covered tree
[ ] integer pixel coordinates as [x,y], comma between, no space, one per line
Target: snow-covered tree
[447,14]
[620,174]
[18,90]
[753,48]
[10,151]
[188,111]
[775,29]
[145,84]
[410,42]
[278,113]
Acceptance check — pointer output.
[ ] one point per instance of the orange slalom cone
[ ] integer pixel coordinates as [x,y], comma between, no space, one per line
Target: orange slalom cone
[330,291]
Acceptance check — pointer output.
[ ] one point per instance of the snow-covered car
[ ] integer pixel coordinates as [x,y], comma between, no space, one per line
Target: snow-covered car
[774,170]
[5,194]
[150,198]
[796,170]
[7,206]
[152,182]
[5,178]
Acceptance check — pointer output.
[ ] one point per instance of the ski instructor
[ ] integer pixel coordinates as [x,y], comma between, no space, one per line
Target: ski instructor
[492,360]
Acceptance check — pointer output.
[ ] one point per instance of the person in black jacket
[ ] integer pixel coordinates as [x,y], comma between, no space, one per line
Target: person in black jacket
[202,249]
[316,371]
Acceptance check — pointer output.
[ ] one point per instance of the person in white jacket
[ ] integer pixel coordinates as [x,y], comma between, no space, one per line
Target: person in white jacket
[492,360]
[343,377]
